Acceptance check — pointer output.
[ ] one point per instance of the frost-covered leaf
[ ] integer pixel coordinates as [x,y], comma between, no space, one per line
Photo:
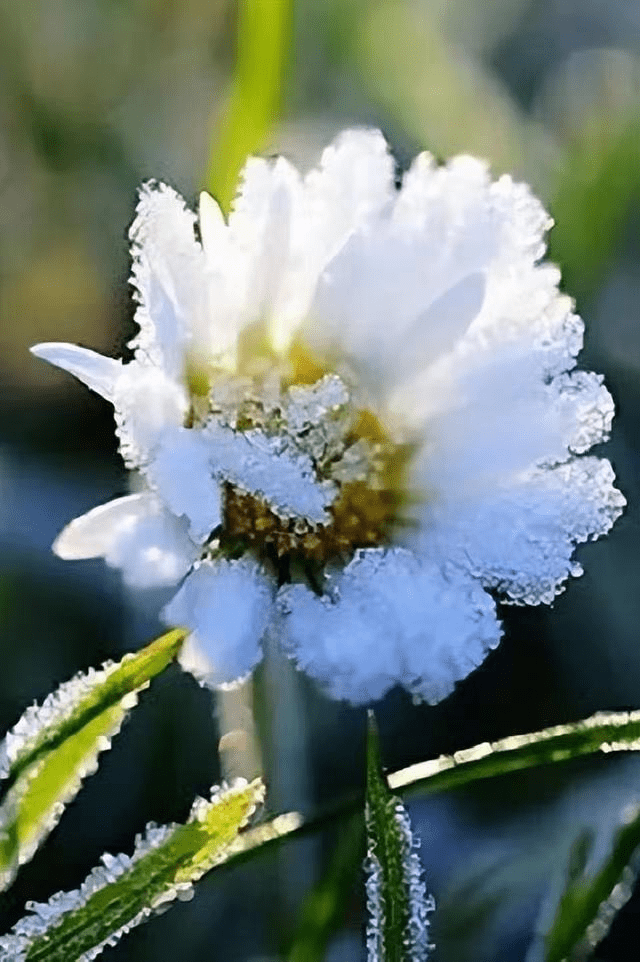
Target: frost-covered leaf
[397,903]
[54,746]
[126,890]
[602,732]
[582,905]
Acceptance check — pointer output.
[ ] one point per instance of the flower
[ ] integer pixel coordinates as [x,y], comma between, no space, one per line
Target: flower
[356,417]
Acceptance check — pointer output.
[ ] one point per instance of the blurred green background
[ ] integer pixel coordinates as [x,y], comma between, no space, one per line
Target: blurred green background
[99,95]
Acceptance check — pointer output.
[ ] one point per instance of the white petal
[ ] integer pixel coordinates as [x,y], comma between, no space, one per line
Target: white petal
[353,183]
[213,229]
[499,415]
[270,469]
[390,618]
[378,299]
[436,331]
[181,473]
[227,606]
[260,233]
[520,536]
[169,275]
[134,534]
[98,372]
[147,402]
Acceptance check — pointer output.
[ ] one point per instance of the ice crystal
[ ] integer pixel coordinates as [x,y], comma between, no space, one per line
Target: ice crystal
[45,916]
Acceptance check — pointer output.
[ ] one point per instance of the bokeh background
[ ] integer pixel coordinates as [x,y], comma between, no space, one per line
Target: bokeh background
[99,95]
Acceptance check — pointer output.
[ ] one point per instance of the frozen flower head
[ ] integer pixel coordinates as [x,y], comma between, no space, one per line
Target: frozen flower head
[356,417]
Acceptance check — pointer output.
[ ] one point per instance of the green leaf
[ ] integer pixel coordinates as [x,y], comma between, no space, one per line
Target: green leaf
[578,916]
[396,899]
[602,732]
[53,747]
[124,891]
[264,29]
[324,908]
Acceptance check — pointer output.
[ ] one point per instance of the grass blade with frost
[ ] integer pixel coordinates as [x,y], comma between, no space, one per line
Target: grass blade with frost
[602,732]
[398,907]
[582,907]
[54,746]
[124,891]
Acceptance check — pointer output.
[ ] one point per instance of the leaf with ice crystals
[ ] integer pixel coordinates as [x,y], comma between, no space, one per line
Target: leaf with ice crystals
[124,891]
[582,905]
[271,469]
[54,746]
[397,901]
[602,732]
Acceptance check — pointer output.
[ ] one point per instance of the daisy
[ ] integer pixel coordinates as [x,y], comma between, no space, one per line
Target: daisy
[356,420]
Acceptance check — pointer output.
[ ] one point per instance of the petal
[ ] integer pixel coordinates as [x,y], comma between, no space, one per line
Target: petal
[227,606]
[353,183]
[147,402]
[520,536]
[271,470]
[213,229]
[499,415]
[134,534]
[380,298]
[390,618]
[169,276]
[260,233]
[98,372]
[182,475]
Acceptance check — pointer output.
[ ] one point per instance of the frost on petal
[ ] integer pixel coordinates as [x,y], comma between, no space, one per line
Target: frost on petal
[182,474]
[98,372]
[479,435]
[393,298]
[168,275]
[260,233]
[134,534]
[520,538]
[146,402]
[390,618]
[227,606]
[353,183]
[271,469]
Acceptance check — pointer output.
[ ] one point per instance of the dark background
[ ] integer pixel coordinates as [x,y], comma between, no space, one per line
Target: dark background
[96,96]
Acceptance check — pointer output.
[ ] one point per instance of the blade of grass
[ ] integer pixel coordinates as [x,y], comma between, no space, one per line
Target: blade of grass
[264,38]
[53,747]
[123,891]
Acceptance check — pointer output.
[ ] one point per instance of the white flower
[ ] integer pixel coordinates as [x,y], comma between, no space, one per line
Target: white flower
[354,409]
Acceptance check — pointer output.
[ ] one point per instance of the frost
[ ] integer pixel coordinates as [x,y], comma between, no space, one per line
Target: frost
[375,909]
[227,606]
[271,469]
[45,916]
[389,618]
[419,904]
[57,707]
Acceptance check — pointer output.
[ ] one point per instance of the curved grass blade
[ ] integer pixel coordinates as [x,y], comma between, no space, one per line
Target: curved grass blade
[398,926]
[324,909]
[124,891]
[579,913]
[54,746]
[602,732]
